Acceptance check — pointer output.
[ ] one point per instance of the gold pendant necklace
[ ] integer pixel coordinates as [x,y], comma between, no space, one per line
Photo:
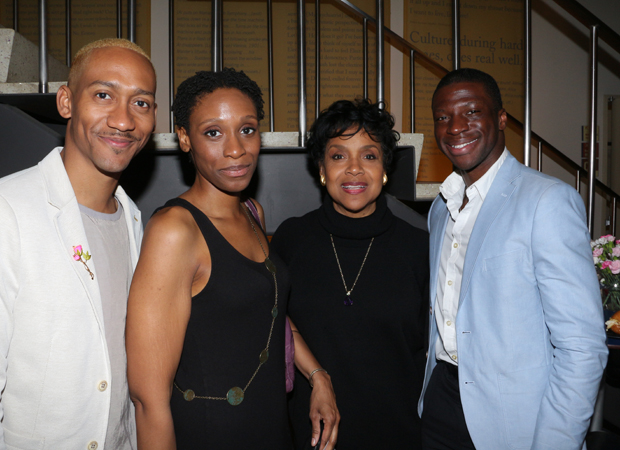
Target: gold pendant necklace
[236,395]
[348,301]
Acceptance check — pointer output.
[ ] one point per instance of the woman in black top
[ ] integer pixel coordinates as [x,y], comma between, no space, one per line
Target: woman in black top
[206,312]
[359,279]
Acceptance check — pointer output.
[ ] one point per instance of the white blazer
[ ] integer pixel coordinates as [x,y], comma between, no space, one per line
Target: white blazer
[53,354]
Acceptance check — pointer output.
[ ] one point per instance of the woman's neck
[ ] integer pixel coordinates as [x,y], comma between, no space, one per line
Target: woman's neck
[215,203]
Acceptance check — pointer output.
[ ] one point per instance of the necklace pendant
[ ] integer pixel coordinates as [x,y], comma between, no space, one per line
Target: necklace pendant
[189,395]
[235,396]
[348,301]
[271,267]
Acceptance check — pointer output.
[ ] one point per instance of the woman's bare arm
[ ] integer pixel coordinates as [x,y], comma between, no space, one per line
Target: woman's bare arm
[157,315]
[322,400]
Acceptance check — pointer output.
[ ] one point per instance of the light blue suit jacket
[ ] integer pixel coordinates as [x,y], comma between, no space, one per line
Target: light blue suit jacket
[530,335]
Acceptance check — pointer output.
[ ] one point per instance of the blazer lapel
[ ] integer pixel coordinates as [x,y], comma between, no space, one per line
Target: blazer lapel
[133,219]
[501,190]
[68,222]
[439,215]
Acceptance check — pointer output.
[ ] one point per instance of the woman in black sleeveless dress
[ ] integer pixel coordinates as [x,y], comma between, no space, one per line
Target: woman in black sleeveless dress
[207,307]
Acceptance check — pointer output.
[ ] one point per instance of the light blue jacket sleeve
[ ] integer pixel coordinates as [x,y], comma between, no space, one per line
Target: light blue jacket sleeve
[572,309]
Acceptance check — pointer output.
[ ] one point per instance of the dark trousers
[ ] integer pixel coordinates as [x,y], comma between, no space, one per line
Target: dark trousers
[443,421]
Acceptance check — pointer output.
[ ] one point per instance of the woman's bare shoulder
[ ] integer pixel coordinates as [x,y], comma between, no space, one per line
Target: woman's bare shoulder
[174,226]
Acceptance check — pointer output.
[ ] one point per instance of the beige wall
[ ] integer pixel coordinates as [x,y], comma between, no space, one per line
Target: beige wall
[560,92]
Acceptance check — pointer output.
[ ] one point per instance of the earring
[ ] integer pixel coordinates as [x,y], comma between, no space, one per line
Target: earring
[384,179]
[322,180]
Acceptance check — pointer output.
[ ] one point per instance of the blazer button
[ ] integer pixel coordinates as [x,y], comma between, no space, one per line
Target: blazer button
[92,445]
[103,385]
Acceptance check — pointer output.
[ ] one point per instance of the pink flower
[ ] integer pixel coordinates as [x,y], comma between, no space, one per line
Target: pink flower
[615,266]
[605,264]
[608,237]
[77,252]
[597,251]
[615,251]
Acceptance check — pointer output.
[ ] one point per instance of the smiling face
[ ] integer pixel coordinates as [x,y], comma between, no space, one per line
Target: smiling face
[111,110]
[353,171]
[467,129]
[223,139]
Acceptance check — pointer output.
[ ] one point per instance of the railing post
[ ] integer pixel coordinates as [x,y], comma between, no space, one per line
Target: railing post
[119,19]
[540,155]
[43,85]
[317,57]
[613,215]
[380,54]
[68,32]
[578,181]
[131,21]
[301,51]
[456,34]
[412,87]
[365,55]
[593,94]
[527,121]
[216,35]
[15,16]
[272,119]
[171,59]
[221,34]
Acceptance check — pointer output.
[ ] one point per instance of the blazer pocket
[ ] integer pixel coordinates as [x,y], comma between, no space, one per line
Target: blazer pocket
[521,393]
[504,260]
[16,441]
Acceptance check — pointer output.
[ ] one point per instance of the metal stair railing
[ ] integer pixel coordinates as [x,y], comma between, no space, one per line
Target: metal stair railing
[598,29]
[585,17]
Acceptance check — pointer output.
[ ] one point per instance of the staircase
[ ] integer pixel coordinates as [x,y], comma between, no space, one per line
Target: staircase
[31,125]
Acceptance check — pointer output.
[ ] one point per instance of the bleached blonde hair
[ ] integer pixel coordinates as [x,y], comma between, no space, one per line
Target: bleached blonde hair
[83,55]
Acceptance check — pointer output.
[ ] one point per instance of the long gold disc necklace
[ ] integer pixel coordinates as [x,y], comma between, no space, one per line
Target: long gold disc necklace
[347,300]
[236,395]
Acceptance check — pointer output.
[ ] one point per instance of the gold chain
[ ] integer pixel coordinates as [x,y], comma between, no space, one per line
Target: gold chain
[347,290]
[189,394]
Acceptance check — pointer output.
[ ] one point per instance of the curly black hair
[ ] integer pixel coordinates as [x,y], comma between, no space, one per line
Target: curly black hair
[205,82]
[344,115]
[469,75]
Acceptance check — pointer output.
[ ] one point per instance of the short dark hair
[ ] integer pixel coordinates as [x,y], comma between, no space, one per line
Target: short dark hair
[474,76]
[205,82]
[345,114]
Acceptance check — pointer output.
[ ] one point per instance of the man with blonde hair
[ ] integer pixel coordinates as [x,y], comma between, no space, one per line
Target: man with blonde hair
[69,243]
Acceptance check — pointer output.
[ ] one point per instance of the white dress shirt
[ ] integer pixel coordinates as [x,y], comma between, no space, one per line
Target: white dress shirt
[456,238]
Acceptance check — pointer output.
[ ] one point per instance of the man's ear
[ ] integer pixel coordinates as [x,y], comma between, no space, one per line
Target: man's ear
[63,101]
[183,139]
[503,119]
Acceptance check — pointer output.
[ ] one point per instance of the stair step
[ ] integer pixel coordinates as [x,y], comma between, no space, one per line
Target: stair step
[287,142]
[19,60]
[29,88]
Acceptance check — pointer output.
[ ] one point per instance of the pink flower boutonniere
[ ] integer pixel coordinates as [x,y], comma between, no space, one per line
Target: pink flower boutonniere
[82,256]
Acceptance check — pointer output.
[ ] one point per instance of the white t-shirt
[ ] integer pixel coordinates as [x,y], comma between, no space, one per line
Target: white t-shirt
[109,244]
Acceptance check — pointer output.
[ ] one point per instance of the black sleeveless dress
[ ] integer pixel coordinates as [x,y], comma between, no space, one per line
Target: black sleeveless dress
[227,331]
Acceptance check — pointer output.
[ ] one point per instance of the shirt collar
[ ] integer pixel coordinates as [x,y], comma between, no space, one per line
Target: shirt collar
[453,188]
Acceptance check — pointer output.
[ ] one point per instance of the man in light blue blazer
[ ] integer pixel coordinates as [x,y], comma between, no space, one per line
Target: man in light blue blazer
[517,344]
